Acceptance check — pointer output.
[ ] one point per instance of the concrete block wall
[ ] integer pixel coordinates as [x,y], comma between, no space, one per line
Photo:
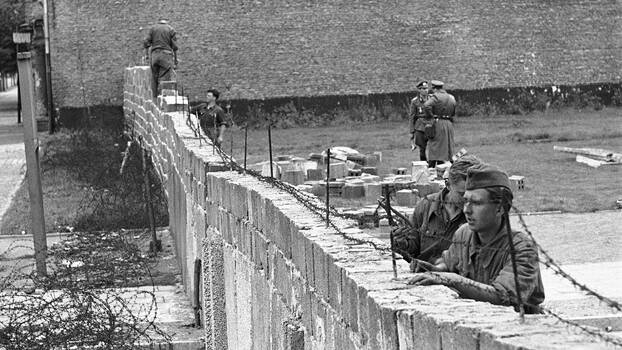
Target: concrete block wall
[265,49]
[274,277]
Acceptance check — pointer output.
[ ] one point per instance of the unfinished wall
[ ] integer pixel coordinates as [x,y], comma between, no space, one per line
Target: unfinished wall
[264,49]
[274,277]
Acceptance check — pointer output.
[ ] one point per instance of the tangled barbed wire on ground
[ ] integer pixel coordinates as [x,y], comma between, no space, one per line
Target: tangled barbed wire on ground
[98,294]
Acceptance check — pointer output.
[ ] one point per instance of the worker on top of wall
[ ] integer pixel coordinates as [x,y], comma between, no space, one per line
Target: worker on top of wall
[442,107]
[478,263]
[161,46]
[436,217]
[418,120]
[211,117]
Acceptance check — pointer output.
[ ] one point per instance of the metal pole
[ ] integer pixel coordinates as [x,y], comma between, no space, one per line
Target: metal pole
[387,196]
[521,308]
[245,145]
[31,146]
[327,186]
[270,149]
[48,68]
[19,101]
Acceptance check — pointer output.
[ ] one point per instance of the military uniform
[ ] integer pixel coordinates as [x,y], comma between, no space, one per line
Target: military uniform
[491,264]
[162,44]
[432,230]
[417,124]
[442,107]
[211,118]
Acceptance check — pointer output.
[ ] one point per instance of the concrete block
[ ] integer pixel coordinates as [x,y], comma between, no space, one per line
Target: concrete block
[354,172]
[350,302]
[351,191]
[316,174]
[173,103]
[294,177]
[406,198]
[370,178]
[276,170]
[261,310]
[373,191]
[372,170]
[398,171]
[337,170]
[517,182]
[320,271]
[335,292]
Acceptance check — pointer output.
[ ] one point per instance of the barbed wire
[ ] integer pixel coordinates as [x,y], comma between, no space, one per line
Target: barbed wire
[312,203]
[89,299]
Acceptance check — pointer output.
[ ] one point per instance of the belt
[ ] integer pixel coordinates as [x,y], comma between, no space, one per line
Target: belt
[163,50]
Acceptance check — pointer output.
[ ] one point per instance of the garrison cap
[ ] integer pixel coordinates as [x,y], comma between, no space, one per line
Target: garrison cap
[437,83]
[485,176]
[423,84]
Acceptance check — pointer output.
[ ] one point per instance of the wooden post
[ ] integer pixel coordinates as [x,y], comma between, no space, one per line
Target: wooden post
[31,146]
[327,186]
[155,245]
[245,146]
[270,149]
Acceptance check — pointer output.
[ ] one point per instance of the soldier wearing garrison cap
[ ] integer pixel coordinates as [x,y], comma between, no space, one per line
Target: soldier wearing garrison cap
[441,107]
[478,263]
[418,120]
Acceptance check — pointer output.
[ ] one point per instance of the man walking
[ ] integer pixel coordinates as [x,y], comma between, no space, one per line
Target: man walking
[161,44]
[478,264]
[211,117]
[441,106]
[418,120]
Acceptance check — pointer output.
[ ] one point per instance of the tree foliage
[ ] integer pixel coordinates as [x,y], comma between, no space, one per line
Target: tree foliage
[11,15]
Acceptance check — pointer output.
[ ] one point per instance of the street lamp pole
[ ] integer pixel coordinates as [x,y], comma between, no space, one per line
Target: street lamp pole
[31,146]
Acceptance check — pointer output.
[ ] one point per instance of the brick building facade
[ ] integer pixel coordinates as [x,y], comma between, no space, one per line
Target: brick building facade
[265,49]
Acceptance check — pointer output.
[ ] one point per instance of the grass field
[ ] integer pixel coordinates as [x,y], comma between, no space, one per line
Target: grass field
[520,144]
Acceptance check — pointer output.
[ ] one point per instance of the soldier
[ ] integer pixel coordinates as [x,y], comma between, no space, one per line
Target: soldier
[161,44]
[478,264]
[441,106]
[418,121]
[211,117]
[436,217]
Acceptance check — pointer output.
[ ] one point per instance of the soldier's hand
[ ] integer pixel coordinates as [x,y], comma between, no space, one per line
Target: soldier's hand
[426,279]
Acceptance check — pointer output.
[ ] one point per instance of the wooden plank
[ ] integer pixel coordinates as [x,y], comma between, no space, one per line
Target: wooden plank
[597,153]
[594,163]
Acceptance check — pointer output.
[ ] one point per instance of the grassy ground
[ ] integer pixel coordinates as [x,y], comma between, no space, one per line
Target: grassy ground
[520,144]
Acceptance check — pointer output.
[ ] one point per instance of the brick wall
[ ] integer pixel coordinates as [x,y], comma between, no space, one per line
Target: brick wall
[264,49]
[274,277]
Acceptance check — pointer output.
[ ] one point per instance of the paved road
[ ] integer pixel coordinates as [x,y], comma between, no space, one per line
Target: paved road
[12,156]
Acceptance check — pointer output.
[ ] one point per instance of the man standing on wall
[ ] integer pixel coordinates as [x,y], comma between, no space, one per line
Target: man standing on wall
[441,106]
[161,43]
[211,117]
[478,264]
[418,121]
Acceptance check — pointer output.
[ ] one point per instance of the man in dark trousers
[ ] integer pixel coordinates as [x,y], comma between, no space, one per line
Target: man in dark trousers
[436,217]
[478,264]
[418,120]
[211,117]
[161,43]
[442,107]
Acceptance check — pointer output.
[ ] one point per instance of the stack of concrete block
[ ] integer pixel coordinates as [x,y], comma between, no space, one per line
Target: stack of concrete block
[353,190]
[517,182]
[370,178]
[369,170]
[373,191]
[276,170]
[338,170]
[294,177]
[173,103]
[315,174]
[354,172]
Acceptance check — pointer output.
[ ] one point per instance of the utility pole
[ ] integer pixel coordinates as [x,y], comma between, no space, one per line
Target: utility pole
[48,68]
[31,145]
